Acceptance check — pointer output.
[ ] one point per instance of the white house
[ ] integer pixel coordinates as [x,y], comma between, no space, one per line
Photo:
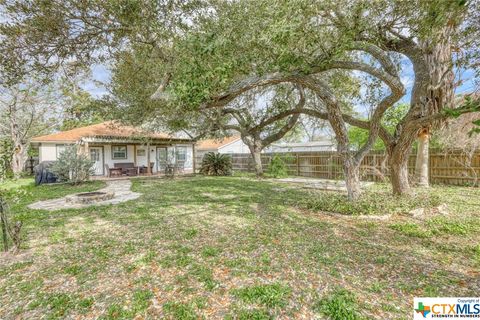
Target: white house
[233,144]
[325,144]
[112,145]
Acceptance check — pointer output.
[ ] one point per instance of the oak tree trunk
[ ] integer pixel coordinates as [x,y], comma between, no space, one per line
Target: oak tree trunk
[422,160]
[352,179]
[255,146]
[433,90]
[399,170]
[257,159]
[19,156]
[18,159]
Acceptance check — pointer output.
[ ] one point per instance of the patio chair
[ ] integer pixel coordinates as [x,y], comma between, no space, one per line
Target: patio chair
[179,167]
[162,166]
[144,169]
[169,170]
[112,172]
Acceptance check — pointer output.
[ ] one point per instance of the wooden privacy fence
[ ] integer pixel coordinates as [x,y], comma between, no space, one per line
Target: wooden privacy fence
[454,168]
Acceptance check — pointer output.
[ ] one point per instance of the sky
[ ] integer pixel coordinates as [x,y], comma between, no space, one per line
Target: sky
[100,75]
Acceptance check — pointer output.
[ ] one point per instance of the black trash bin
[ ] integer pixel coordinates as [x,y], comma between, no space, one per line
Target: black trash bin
[43,174]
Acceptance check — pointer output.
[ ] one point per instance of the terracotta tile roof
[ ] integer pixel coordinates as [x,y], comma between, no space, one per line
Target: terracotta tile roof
[109,129]
[211,144]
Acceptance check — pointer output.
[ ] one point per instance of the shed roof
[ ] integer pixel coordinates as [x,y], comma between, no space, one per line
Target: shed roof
[214,144]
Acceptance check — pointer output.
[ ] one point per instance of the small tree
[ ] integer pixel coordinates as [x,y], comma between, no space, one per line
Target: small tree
[4,223]
[26,110]
[277,168]
[5,159]
[73,166]
[8,229]
[261,124]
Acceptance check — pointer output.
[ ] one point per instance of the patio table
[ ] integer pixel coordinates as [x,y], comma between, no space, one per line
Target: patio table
[132,171]
[115,172]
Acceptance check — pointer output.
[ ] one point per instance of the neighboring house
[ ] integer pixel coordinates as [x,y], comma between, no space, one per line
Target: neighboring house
[324,144]
[233,144]
[109,143]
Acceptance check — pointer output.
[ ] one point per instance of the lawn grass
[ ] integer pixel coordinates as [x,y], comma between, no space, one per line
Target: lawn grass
[14,184]
[234,248]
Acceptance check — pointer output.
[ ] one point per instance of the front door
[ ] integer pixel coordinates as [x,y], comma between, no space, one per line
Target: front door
[96,155]
[162,159]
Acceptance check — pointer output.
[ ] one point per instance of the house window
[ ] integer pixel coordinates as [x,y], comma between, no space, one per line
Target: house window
[141,152]
[60,149]
[119,152]
[181,153]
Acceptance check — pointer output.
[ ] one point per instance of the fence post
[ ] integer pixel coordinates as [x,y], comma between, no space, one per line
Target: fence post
[298,165]
[330,166]
[430,164]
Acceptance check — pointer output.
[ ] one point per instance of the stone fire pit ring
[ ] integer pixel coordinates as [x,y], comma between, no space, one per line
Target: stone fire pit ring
[89,197]
[116,191]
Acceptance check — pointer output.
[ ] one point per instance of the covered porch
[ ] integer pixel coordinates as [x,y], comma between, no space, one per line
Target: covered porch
[116,158]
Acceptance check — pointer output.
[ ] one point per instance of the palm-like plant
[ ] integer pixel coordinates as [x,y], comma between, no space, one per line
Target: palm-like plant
[216,164]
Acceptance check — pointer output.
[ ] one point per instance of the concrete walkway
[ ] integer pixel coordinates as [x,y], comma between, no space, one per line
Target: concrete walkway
[321,184]
[121,188]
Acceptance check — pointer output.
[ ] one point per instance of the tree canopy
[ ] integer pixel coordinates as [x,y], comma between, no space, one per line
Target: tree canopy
[172,60]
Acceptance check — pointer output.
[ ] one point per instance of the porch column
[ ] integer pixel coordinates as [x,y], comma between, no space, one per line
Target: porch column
[194,157]
[149,170]
[85,148]
[134,155]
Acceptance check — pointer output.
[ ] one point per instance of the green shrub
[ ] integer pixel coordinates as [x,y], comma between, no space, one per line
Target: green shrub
[341,304]
[9,230]
[216,164]
[73,166]
[277,168]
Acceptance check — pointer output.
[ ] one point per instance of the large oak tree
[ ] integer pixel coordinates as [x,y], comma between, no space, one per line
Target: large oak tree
[207,54]
[260,118]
